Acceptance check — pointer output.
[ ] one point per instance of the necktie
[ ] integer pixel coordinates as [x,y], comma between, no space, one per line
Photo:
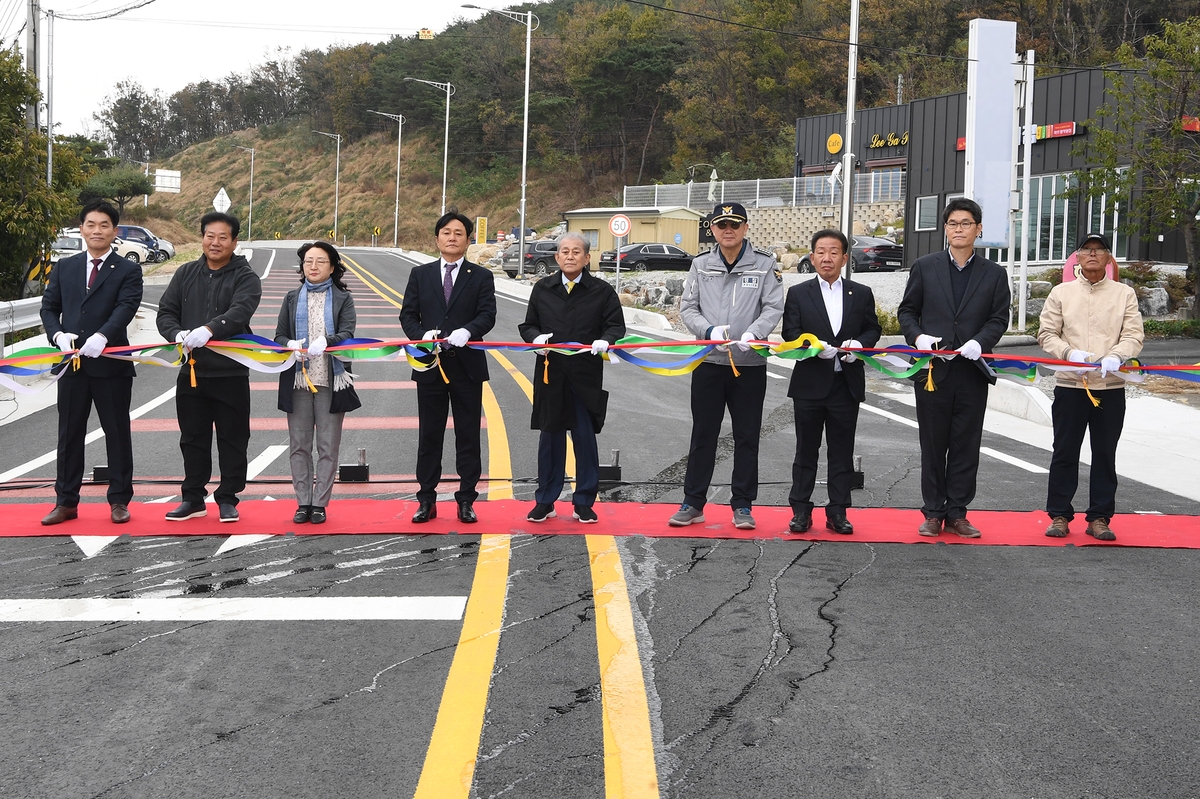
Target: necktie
[93,272]
[448,283]
[570,286]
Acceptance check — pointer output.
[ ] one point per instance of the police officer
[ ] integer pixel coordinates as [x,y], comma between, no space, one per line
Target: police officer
[732,294]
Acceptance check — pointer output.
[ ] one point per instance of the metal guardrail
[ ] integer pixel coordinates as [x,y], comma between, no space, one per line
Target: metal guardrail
[20,314]
[869,187]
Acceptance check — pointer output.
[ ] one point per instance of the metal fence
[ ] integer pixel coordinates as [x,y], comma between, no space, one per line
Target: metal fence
[20,314]
[869,187]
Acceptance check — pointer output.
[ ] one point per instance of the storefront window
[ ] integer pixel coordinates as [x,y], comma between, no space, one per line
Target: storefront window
[927,213]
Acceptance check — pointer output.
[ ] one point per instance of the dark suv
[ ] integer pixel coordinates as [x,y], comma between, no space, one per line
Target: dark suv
[539,258]
[143,237]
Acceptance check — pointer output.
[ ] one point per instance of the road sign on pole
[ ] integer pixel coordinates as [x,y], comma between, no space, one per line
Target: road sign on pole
[619,226]
[221,202]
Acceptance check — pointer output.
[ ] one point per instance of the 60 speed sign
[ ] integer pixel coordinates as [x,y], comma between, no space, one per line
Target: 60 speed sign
[619,225]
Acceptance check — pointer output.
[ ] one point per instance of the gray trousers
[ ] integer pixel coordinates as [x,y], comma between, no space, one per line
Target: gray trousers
[309,423]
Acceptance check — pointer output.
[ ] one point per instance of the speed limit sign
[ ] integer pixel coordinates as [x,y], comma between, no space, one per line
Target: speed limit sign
[619,225]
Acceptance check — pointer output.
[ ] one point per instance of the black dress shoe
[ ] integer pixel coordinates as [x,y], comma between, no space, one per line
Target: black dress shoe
[466,513]
[301,516]
[316,515]
[838,523]
[801,522]
[425,512]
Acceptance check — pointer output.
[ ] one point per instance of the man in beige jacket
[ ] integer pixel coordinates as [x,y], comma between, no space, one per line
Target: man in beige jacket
[1087,321]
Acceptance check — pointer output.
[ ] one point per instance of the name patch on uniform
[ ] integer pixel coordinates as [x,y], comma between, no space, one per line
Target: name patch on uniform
[749,281]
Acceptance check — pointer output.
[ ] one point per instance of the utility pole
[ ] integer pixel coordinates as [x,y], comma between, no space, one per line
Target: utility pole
[50,97]
[848,156]
[32,55]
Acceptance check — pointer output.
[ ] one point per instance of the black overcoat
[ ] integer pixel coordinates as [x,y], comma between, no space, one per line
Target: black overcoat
[590,312]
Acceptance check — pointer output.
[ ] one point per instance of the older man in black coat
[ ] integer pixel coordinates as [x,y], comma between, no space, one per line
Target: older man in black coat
[568,390]
[452,300]
[827,389]
[90,301]
[955,300]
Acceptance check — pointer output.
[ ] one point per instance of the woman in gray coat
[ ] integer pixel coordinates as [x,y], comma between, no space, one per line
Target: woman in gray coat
[318,390]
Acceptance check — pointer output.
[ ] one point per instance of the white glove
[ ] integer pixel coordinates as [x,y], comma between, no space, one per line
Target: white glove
[295,346]
[851,357]
[543,339]
[317,347]
[828,352]
[971,350]
[1079,356]
[459,338]
[93,346]
[197,338]
[719,333]
[181,336]
[1110,364]
[65,341]
[927,342]
[744,344]
[599,346]
[430,335]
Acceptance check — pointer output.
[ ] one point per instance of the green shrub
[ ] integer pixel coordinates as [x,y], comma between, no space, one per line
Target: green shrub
[1168,328]
[888,321]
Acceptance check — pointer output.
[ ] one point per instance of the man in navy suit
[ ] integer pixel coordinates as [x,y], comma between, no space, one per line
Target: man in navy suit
[956,301]
[90,301]
[453,300]
[827,389]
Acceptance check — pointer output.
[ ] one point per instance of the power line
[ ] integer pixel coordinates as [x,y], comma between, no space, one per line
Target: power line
[116,12]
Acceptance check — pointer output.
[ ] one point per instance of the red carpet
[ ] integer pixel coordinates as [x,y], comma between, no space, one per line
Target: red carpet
[379,517]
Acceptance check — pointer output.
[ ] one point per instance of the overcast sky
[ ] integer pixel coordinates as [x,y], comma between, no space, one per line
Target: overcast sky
[171,43]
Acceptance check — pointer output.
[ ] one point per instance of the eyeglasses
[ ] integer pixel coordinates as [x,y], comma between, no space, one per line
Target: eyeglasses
[1096,251]
[316,262]
[960,225]
[726,224]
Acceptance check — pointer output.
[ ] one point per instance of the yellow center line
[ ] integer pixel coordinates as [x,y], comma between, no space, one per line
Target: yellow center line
[527,387]
[375,283]
[454,746]
[499,460]
[629,768]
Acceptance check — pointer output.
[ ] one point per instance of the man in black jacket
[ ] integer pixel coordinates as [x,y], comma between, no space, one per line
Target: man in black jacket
[568,390]
[827,389]
[90,301]
[955,301]
[455,300]
[212,298]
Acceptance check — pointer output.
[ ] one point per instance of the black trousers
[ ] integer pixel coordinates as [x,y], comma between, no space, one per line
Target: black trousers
[951,432]
[715,388]
[77,392]
[552,460]
[836,416]
[434,401]
[1073,414]
[221,403]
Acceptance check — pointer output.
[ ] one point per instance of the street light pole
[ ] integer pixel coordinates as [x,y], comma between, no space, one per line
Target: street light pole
[337,174]
[250,220]
[448,88]
[399,135]
[848,156]
[50,97]
[527,17]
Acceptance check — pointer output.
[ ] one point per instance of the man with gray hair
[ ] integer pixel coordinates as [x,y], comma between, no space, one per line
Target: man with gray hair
[568,389]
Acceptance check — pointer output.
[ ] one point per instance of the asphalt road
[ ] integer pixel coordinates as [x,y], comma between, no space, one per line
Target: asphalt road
[766,668]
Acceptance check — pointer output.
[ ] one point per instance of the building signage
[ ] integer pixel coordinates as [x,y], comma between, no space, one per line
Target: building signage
[1191,124]
[834,143]
[890,140]
[1059,130]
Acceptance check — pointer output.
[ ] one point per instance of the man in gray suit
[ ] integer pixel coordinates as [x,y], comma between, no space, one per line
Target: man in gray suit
[957,302]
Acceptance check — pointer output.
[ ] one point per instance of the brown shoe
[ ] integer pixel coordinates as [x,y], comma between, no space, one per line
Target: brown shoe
[1059,527]
[120,514]
[1097,528]
[963,528]
[930,527]
[60,514]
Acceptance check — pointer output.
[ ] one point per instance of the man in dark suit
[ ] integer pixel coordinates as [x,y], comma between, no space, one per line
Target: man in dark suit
[568,390]
[827,389]
[956,301]
[90,301]
[453,300]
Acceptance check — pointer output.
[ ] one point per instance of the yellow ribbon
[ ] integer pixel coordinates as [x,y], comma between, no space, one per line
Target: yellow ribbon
[732,365]
[1095,402]
[304,371]
[929,386]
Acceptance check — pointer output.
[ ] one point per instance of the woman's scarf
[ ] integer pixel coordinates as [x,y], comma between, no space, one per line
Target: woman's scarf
[341,378]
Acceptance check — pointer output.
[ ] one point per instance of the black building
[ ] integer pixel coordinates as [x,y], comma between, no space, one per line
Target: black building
[929,150]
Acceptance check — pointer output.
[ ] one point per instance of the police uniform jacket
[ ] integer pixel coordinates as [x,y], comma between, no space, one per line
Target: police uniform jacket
[591,311]
[747,297]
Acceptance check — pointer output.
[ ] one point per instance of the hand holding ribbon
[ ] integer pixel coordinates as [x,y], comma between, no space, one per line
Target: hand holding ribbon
[94,346]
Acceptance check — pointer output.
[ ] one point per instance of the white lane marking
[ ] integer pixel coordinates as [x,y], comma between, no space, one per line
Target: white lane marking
[777,377]
[267,271]
[1009,459]
[256,467]
[92,545]
[895,417]
[369,608]
[95,435]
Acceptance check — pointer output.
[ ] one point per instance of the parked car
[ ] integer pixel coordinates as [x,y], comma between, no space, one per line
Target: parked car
[132,250]
[870,254]
[159,249]
[647,257]
[539,258]
[66,245]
